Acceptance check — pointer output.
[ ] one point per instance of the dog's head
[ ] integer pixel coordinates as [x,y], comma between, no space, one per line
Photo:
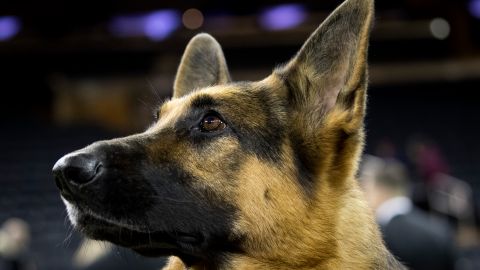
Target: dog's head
[233,167]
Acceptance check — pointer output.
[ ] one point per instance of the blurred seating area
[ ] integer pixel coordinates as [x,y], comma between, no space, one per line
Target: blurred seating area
[28,152]
[79,71]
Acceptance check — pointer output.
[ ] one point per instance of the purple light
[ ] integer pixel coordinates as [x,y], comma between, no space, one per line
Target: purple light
[9,27]
[160,24]
[283,17]
[474,7]
[156,25]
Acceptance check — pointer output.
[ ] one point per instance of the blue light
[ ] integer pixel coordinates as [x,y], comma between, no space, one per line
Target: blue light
[9,27]
[474,7]
[156,25]
[283,17]
[160,24]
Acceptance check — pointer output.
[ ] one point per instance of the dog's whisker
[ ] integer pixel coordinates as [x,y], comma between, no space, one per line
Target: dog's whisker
[68,238]
[66,242]
[157,97]
[149,236]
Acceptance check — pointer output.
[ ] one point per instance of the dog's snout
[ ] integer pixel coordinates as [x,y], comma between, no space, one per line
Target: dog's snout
[76,170]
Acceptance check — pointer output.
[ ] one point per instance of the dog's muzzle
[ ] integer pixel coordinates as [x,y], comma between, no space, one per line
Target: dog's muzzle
[115,192]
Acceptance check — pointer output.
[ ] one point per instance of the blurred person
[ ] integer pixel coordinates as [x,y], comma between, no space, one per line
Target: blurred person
[385,148]
[442,192]
[420,241]
[427,163]
[428,159]
[14,243]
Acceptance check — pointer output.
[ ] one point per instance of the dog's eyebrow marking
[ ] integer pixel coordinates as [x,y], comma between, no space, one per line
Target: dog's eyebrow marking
[163,107]
[204,101]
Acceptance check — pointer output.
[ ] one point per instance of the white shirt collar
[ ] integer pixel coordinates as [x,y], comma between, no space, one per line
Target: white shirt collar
[391,208]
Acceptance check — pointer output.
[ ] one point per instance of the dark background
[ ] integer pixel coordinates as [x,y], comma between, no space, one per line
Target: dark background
[66,52]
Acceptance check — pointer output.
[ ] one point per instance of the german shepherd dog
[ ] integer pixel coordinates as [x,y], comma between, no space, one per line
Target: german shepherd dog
[243,175]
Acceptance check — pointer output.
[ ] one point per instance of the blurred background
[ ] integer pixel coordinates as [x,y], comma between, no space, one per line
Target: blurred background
[72,72]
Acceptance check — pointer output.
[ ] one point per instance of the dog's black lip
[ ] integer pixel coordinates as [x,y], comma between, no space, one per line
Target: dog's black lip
[187,238]
[146,243]
[67,196]
[151,246]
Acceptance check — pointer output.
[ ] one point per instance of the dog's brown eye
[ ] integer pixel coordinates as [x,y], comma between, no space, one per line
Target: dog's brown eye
[212,123]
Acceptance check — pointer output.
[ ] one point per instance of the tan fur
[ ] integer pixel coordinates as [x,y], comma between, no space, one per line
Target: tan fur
[174,263]
[285,226]
[243,175]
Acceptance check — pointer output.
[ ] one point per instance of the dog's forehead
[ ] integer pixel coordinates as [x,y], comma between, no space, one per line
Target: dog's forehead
[177,108]
[170,112]
[222,92]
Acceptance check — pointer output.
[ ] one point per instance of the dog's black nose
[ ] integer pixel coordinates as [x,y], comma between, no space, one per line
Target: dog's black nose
[76,170]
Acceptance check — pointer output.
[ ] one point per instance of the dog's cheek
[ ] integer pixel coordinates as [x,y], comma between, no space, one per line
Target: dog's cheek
[270,202]
[215,166]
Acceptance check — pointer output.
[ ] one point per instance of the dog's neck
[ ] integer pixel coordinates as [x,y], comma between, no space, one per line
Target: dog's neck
[354,240]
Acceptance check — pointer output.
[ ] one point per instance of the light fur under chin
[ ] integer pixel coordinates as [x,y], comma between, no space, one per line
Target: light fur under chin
[72,212]
[73,216]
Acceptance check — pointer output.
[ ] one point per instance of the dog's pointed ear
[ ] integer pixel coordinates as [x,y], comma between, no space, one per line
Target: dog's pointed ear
[330,69]
[325,85]
[202,65]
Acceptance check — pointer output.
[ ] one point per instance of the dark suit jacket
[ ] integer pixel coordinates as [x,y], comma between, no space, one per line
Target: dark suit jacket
[420,242]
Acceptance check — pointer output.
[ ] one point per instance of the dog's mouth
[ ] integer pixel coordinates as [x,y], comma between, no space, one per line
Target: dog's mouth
[186,246]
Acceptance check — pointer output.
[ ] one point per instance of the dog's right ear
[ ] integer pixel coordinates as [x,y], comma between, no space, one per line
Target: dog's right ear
[202,65]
